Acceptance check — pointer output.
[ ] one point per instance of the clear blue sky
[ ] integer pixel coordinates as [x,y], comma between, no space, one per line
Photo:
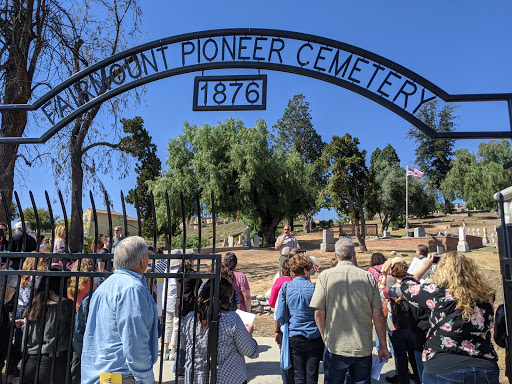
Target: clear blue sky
[461,46]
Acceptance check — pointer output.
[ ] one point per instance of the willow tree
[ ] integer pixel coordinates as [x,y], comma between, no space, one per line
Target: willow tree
[239,165]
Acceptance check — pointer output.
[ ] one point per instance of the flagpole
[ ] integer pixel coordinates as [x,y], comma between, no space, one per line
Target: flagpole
[406,201]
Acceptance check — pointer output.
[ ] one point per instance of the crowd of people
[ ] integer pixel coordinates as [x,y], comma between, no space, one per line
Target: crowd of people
[438,313]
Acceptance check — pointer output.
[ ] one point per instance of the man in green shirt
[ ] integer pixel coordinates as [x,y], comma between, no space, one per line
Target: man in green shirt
[117,237]
[347,304]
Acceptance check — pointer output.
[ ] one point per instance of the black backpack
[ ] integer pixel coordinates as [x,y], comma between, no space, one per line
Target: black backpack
[404,314]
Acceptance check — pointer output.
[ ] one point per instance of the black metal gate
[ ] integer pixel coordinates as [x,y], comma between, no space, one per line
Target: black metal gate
[40,268]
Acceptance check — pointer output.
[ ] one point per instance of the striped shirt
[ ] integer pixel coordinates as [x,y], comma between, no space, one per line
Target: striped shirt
[234,343]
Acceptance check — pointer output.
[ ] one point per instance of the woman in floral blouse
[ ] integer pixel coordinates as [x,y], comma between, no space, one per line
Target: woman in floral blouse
[460,304]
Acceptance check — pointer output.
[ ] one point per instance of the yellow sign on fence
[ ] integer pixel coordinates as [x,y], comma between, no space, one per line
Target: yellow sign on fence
[111,378]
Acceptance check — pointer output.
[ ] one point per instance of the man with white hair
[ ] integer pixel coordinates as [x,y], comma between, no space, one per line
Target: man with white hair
[347,303]
[121,335]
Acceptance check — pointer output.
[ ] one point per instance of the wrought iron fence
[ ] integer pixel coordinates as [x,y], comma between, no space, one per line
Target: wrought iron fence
[17,339]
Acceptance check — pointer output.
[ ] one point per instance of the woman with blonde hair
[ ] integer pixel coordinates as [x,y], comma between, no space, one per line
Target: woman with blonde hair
[459,302]
[84,283]
[59,244]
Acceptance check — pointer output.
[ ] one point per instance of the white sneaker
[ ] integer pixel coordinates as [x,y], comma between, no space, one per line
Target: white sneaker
[166,354]
[172,355]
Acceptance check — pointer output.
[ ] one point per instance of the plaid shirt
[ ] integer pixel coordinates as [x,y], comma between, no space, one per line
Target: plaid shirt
[234,343]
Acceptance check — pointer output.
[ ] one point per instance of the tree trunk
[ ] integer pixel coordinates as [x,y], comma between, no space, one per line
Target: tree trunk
[268,230]
[7,162]
[290,223]
[361,235]
[77,181]
[447,205]
[306,223]
[385,223]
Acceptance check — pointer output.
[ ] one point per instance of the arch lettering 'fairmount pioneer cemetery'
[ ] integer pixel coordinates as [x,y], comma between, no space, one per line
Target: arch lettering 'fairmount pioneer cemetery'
[377,78]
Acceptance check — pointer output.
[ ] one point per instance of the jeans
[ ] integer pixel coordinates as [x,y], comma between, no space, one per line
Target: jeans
[61,368]
[419,362]
[464,376]
[336,368]
[403,344]
[306,355]
[180,363]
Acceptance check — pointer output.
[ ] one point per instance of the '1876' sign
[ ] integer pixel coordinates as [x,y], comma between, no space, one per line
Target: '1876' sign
[230,93]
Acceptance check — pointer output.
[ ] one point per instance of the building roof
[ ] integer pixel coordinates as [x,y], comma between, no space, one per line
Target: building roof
[112,213]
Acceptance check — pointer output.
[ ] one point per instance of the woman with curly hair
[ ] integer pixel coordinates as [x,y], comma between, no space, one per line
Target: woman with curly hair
[459,301]
[306,344]
[84,283]
[235,340]
[376,262]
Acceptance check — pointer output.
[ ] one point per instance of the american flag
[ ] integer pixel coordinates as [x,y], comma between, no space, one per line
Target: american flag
[414,172]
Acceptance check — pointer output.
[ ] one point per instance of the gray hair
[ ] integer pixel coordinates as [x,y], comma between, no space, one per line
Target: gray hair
[18,226]
[12,281]
[129,252]
[344,249]
[175,262]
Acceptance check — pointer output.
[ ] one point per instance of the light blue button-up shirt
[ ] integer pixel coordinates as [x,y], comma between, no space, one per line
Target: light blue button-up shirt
[121,335]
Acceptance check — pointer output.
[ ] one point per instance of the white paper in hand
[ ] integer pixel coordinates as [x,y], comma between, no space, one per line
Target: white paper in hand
[377,367]
[247,317]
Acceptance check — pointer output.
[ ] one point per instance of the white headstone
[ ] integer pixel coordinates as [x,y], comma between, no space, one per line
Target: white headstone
[239,240]
[256,241]
[469,231]
[492,236]
[478,231]
[327,244]
[440,250]
[485,238]
[247,237]
[231,241]
[328,236]
[462,246]
[451,233]
[439,233]
[386,234]
[473,232]
[445,232]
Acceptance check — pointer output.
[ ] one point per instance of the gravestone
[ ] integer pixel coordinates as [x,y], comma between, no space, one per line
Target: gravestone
[247,237]
[462,246]
[225,243]
[478,232]
[256,241]
[231,241]
[239,240]
[386,234]
[445,232]
[485,238]
[327,241]
[419,232]
[440,250]
[473,232]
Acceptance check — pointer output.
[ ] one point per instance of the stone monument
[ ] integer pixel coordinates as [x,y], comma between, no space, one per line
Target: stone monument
[462,246]
[419,232]
[231,241]
[485,238]
[327,241]
[247,237]
[256,241]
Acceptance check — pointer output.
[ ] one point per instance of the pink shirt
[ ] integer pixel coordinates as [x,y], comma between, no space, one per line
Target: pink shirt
[241,285]
[275,290]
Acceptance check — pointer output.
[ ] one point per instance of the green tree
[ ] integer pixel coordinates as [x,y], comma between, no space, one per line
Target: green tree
[348,176]
[295,131]
[44,218]
[475,178]
[434,156]
[247,175]
[148,168]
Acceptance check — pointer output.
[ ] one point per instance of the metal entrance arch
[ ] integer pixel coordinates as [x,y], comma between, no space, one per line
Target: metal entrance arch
[385,82]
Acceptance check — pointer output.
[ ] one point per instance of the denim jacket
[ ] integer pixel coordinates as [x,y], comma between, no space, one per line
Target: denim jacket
[301,316]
